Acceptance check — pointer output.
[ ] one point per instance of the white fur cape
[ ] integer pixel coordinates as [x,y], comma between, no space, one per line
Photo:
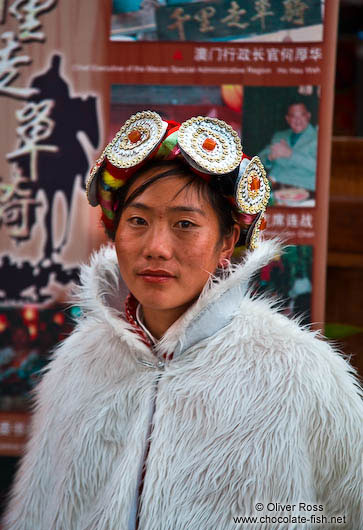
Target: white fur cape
[257,410]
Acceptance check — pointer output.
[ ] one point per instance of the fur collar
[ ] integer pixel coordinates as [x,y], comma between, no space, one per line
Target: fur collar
[102,292]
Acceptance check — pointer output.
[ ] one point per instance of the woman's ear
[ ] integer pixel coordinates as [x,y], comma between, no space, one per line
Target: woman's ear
[229,242]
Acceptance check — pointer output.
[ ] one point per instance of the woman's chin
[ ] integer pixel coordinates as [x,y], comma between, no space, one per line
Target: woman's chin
[155,304]
[163,302]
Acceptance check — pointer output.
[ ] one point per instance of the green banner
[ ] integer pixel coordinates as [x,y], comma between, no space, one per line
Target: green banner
[220,20]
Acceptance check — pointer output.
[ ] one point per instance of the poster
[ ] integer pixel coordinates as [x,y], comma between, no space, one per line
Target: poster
[216,20]
[72,72]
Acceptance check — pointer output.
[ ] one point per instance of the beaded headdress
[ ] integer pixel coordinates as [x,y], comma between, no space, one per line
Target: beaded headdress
[210,147]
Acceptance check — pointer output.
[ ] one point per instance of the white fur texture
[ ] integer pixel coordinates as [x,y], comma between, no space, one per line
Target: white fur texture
[262,411]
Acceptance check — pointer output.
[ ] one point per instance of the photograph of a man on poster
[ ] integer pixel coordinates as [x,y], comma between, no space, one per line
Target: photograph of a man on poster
[290,157]
[217,20]
[285,138]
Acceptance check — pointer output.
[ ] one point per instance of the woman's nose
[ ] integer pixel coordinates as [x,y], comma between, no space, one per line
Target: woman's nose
[158,243]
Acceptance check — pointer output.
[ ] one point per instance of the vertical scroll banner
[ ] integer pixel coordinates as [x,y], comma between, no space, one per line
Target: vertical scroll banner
[48,124]
[50,131]
[45,160]
[229,20]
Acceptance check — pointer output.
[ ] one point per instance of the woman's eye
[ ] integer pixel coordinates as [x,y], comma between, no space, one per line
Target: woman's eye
[137,221]
[185,224]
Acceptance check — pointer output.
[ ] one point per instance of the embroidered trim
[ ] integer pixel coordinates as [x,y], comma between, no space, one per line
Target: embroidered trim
[131,305]
[130,311]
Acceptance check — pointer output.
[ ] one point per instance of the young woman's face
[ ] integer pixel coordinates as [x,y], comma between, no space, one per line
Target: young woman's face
[168,244]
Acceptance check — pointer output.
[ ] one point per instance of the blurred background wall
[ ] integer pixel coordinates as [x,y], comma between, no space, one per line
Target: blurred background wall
[344,305]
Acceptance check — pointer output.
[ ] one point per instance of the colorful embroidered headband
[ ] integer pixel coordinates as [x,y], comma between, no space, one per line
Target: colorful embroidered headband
[209,146]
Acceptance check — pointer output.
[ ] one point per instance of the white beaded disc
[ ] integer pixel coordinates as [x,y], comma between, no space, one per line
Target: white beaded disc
[196,133]
[253,234]
[124,153]
[91,184]
[249,200]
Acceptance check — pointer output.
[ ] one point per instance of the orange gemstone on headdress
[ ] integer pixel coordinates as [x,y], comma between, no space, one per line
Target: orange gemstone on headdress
[134,136]
[263,224]
[255,183]
[209,144]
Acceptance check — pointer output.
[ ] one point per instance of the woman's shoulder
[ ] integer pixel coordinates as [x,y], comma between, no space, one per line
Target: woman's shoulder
[91,353]
[277,340]
[88,333]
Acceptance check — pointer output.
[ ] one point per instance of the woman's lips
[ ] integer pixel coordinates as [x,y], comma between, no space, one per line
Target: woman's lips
[156,276]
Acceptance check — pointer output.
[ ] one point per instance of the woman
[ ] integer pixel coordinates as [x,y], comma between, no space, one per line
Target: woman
[200,403]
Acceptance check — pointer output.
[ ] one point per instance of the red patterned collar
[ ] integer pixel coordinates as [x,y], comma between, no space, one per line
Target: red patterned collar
[130,311]
[131,305]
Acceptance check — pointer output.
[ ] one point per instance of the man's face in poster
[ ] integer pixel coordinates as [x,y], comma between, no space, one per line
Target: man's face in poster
[298,117]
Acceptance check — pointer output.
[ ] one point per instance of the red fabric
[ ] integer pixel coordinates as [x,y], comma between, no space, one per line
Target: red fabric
[107,222]
[172,125]
[123,174]
[130,310]
[114,171]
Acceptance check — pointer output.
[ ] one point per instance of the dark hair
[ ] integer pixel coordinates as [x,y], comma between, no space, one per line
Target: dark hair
[298,102]
[218,202]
